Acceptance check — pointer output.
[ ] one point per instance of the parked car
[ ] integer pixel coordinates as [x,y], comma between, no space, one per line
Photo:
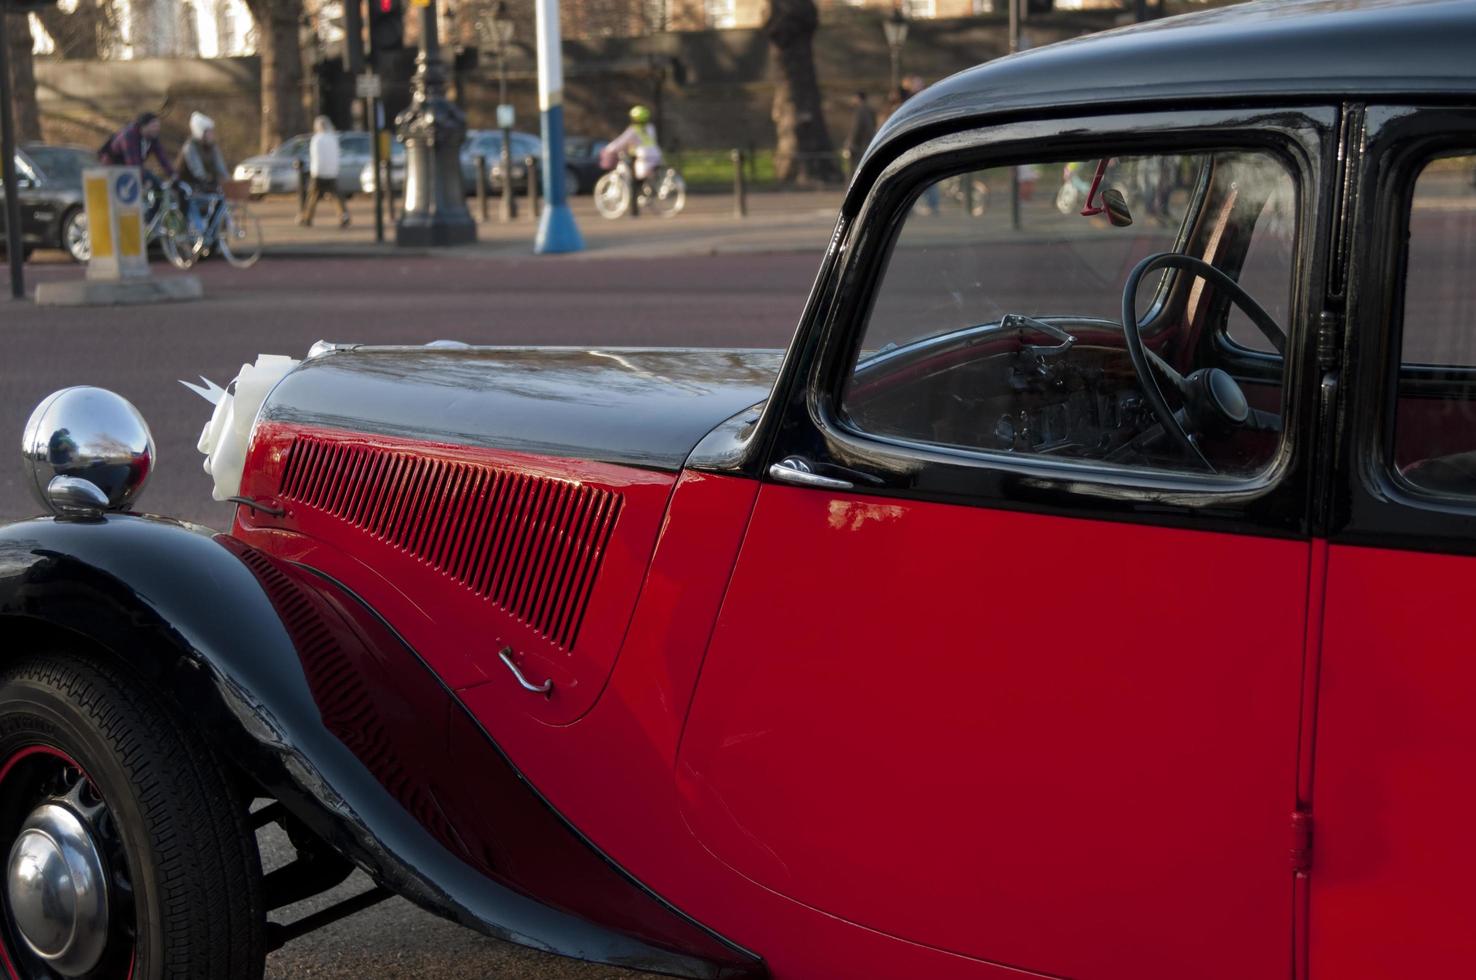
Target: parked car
[478,142]
[1080,596]
[50,197]
[582,159]
[277,172]
[397,171]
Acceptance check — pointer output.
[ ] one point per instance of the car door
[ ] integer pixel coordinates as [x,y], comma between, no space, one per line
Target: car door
[1394,858]
[997,672]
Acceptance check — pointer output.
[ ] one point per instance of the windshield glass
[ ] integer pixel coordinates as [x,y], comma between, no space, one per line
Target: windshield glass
[61,164]
[998,321]
[297,146]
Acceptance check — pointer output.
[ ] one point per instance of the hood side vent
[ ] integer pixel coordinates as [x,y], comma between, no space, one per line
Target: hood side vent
[531,544]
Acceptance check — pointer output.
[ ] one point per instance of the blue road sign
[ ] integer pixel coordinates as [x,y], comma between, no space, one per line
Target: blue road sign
[125,186]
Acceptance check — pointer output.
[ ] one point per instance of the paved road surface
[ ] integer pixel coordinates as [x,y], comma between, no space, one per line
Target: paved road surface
[282,306]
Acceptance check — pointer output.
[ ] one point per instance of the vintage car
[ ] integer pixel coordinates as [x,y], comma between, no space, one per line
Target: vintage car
[1082,595]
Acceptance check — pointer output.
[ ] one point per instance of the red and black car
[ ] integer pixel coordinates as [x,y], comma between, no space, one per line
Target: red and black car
[1082,595]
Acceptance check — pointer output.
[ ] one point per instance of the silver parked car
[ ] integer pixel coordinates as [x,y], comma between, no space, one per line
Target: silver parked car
[276,172]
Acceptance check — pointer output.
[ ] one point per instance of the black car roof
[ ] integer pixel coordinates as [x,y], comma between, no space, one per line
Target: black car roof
[1254,51]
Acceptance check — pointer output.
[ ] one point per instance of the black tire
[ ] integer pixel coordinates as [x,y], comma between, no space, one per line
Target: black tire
[191,860]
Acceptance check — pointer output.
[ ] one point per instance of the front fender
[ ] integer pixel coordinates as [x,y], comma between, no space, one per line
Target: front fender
[312,696]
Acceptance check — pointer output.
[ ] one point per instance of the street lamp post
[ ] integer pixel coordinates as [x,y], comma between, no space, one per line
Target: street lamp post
[498,29]
[432,129]
[895,29]
[557,232]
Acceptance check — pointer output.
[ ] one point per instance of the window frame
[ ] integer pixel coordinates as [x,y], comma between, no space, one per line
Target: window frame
[1272,501]
[1373,503]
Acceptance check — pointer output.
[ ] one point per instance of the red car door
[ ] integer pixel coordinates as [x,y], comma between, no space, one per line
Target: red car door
[1393,800]
[998,670]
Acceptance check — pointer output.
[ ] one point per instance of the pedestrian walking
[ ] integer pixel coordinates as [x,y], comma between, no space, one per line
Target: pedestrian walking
[863,128]
[323,172]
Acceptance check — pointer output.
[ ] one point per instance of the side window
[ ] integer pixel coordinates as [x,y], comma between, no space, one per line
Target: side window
[994,333]
[1435,413]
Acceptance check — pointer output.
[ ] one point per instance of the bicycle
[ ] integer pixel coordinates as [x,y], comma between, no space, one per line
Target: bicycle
[227,225]
[664,193]
[970,192]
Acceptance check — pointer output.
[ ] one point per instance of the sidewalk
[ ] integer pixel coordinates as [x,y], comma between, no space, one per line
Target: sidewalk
[797,221]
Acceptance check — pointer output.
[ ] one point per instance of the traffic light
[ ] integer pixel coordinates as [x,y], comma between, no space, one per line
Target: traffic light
[386,25]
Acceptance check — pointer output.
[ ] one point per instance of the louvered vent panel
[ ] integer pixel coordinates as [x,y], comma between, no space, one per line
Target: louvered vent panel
[530,544]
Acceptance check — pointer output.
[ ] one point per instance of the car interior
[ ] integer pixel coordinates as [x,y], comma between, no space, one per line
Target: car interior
[1132,311]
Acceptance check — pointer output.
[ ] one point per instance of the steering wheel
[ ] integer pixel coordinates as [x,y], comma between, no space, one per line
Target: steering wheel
[1211,397]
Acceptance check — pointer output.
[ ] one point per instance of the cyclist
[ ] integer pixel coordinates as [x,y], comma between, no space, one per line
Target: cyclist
[639,140]
[131,146]
[201,163]
[134,143]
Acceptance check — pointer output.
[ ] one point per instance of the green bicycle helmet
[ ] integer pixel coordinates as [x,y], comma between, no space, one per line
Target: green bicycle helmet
[640,115]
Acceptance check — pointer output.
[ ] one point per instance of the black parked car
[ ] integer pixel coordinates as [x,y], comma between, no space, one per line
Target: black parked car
[50,191]
[582,162]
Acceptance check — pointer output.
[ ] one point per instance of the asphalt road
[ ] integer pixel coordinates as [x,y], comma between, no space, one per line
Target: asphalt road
[282,306]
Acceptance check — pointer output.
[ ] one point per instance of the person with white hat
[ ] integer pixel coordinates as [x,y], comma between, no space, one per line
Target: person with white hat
[201,165]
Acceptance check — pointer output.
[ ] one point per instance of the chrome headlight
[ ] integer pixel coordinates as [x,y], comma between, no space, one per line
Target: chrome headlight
[86,450]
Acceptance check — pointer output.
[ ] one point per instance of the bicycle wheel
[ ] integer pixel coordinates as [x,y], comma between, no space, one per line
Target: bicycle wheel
[612,195]
[977,198]
[668,196]
[239,237]
[180,247]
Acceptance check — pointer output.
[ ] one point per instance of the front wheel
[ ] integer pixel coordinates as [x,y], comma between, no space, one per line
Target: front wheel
[181,247]
[612,195]
[126,850]
[240,239]
[74,236]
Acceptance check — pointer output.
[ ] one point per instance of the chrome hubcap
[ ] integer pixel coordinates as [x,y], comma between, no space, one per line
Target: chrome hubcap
[56,885]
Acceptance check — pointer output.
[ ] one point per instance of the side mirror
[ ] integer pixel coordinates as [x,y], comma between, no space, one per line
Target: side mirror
[1116,207]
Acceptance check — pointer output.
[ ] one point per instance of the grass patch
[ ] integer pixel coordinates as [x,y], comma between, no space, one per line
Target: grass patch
[713,169]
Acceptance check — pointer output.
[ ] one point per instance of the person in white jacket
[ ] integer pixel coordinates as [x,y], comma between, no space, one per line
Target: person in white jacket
[323,172]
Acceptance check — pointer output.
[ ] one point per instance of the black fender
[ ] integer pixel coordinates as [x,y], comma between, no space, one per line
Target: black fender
[309,694]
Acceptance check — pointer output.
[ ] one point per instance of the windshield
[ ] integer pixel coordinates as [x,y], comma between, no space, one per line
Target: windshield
[61,164]
[999,318]
[297,146]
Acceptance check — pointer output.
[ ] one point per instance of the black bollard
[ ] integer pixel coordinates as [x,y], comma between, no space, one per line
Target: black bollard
[481,162]
[740,186]
[530,165]
[302,187]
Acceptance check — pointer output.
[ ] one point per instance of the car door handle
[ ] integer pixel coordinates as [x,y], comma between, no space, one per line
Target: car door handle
[797,470]
[546,688]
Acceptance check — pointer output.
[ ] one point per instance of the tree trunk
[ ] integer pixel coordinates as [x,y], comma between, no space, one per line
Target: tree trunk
[84,33]
[802,152]
[282,113]
[23,79]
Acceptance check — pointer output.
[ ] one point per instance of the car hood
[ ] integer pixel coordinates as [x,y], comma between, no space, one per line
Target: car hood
[264,160]
[645,407]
